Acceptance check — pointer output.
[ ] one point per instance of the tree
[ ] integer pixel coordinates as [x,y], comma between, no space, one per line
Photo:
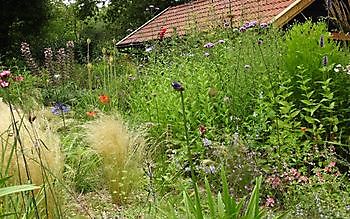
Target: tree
[127,15]
[20,19]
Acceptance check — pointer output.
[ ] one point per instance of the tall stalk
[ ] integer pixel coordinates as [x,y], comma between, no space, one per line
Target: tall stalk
[178,87]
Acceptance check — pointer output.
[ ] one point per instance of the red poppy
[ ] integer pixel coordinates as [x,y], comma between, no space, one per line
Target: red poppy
[91,114]
[104,99]
[162,33]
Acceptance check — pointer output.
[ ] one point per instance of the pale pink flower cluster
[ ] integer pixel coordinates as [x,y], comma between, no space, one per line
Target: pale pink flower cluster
[4,75]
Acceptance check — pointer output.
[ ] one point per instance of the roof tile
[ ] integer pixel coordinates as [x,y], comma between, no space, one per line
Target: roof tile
[206,13]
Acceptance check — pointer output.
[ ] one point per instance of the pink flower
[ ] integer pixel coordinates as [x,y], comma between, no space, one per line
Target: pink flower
[19,78]
[303,179]
[295,173]
[202,130]
[332,164]
[270,202]
[275,181]
[5,73]
[4,84]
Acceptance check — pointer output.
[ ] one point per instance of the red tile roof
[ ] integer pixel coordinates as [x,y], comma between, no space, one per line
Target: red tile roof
[204,14]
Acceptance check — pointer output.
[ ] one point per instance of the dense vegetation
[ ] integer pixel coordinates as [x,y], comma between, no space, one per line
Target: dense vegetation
[231,123]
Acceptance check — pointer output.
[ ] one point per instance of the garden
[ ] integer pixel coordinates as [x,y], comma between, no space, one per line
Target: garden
[252,122]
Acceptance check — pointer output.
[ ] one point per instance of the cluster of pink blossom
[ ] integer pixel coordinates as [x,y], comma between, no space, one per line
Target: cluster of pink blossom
[329,169]
[293,175]
[4,75]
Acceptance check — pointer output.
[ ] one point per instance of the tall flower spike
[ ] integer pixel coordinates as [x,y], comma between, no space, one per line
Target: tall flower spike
[325,60]
[177,86]
[322,41]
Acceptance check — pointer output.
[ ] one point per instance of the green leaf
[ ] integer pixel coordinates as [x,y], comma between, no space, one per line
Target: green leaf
[212,207]
[230,206]
[307,102]
[294,114]
[221,206]
[253,205]
[309,119]
[15,189]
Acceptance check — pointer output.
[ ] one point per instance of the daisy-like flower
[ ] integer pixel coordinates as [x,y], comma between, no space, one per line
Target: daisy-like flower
[104,99]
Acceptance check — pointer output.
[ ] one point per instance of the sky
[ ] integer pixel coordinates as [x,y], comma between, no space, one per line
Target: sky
[73,1]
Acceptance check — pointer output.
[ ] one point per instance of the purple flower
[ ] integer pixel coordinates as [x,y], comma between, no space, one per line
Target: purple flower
[242,29]
[177,86]
[60,108]
[210,170]
[206,142]
[263,25]
[252,24]
[209,45]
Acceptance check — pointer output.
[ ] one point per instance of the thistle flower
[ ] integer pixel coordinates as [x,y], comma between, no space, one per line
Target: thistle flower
[60,108]
[177,86]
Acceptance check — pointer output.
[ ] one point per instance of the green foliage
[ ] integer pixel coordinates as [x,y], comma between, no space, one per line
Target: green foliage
[224,205]
[20,20]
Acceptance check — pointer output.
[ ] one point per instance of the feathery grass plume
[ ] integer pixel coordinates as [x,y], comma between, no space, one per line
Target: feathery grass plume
[121,152]
[39,148]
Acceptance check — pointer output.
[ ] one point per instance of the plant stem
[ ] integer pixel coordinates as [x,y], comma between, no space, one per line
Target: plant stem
[189,155]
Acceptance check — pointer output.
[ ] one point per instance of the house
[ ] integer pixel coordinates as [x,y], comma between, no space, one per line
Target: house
[206,14]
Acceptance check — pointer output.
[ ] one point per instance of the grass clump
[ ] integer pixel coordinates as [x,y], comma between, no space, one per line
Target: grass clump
[121,152]
[30,153]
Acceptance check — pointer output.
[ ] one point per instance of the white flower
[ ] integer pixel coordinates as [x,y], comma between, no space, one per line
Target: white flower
[149,49]
[247,66]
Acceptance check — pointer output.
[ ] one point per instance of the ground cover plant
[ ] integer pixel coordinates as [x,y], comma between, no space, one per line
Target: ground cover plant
[231,123]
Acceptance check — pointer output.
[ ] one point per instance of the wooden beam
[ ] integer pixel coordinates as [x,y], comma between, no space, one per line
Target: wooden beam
[290,12]
[340,36]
